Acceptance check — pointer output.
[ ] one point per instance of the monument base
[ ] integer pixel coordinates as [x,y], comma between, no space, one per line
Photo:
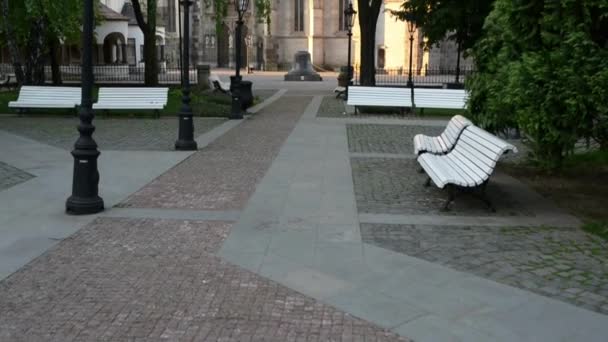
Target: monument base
[302,69]
[303,77]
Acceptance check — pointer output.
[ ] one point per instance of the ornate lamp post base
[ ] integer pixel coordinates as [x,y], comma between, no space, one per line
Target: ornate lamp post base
[236,111]
[185,141]
[84,205]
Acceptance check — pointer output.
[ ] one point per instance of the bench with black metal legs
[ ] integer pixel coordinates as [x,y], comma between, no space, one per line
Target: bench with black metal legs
[468,166]
[444,142]
[218,85]
[140,98]
[47,97]
[359,96]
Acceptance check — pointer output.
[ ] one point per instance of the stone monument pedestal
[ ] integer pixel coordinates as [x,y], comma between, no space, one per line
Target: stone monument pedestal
[302,69]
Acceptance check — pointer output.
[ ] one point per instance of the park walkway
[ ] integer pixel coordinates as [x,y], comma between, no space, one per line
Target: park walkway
[274,232]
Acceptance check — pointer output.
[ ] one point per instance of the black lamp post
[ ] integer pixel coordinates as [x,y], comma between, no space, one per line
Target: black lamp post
[411,28]
[185,140]
[85,182]
[237,110]
[349,20]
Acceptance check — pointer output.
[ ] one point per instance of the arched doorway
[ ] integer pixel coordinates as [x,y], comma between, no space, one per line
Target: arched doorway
[115,49]
[223,47]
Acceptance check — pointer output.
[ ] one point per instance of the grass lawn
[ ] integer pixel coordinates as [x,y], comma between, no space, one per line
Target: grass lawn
[205,104]
[581,187]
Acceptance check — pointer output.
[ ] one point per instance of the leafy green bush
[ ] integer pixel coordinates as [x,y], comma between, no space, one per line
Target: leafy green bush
[542,67]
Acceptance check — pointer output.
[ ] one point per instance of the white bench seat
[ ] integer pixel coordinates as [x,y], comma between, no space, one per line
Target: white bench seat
[440,98]
[132,98]
[378,97]
[444,142]
[217,84]
[47,97]
[469,164]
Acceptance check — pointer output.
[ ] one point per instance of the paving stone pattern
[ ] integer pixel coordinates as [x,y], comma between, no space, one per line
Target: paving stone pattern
[224,174]
[11,176]
[394,186]
[158,280]
[110,134]
[561,263]
[369,138]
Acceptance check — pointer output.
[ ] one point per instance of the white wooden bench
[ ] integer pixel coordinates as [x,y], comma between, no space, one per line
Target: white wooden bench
[378,97]
[468,166]
[47,97]
[440,98]
[218,85]
[140,98]
[444,142]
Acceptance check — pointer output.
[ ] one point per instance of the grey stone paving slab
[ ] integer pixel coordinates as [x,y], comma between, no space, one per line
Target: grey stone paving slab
[32,215]
[386,138]
[223,175]
[318,149]
[159,280]
[110,134]
[394,186]
[562,263]
[11,176]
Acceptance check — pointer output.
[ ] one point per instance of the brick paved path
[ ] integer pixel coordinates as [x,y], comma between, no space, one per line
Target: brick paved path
[159,280]
[121,279]
[224,175]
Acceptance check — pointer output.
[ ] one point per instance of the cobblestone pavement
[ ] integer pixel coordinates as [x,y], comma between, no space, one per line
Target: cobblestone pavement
[158,280]
[565,264]
[386,138]
[11,176]
[224,174]
[110,134]
[394,186]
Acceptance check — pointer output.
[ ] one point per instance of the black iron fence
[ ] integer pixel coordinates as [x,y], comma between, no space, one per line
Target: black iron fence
[426,77]
[114,74]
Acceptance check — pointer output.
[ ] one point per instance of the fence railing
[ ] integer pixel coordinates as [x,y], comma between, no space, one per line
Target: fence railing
[425,77]
[115,74]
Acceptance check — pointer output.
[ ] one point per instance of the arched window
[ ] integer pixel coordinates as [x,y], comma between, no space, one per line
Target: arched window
[298,17]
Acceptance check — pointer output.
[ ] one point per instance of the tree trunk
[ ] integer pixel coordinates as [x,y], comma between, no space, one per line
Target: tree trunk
[150,60]
[149,31]
[458,62]
[12,44]
[54,57]
[368,16]
[368,63]
[34,66]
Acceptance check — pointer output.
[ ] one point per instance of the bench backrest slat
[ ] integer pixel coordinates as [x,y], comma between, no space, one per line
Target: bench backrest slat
[481,149]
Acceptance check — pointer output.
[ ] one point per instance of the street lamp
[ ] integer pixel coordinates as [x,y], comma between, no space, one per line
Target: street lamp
[349,21]
[85,182]
[236,111]
[411,28]
[185,140]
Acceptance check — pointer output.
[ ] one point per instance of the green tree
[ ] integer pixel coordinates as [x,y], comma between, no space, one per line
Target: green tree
[458,20]
[542,66]
[149,30]
[31,27]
